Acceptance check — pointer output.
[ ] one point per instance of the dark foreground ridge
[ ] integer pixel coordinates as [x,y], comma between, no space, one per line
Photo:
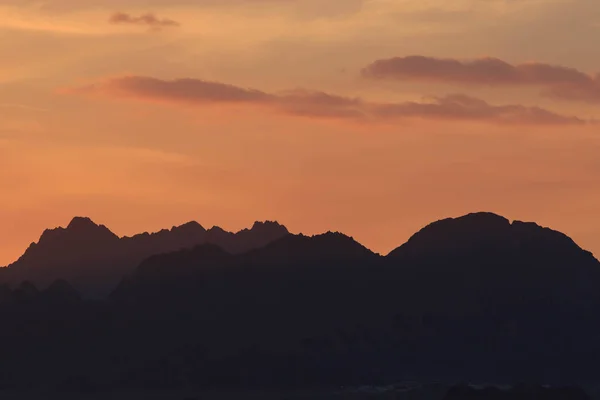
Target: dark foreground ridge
[475,298]
[517,392]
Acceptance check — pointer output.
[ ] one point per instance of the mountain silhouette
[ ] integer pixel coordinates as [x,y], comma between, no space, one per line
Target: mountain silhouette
[94,259]
[483,260]
[475,298]
[475,290]
[483,232]
[301,249]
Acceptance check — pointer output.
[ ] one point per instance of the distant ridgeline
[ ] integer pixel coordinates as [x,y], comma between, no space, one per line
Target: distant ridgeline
[94,259]
[476,298]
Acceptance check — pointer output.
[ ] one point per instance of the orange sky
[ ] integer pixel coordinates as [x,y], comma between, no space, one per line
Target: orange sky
[372,117]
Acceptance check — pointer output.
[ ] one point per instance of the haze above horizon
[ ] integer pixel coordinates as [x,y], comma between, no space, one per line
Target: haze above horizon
[368,117]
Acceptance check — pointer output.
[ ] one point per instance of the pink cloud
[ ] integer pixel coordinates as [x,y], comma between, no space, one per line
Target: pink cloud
[463,107]
[556,81]
[317,104]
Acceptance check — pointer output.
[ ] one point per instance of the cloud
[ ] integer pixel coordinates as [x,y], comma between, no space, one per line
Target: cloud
[300,8]
[557,81]
[149,20]
[320,104]
[17,106]
[463,107]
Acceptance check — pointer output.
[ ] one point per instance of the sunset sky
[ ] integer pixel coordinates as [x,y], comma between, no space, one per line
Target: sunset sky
[370,117]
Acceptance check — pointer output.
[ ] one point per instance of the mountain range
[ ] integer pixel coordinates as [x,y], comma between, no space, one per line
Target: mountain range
[474,298]
[94,259]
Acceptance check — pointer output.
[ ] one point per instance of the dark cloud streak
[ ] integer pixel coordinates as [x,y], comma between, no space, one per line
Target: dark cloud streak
[323,105]
[149,20]
[557,81]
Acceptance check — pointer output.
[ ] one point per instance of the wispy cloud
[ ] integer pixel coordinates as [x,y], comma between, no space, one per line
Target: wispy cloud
[318,104]
[149,20]
[556,81]
[22,107]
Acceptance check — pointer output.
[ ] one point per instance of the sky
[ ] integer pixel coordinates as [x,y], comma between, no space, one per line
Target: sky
[369,117]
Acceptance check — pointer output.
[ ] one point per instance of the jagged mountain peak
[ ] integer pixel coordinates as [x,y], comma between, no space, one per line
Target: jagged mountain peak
[268,225]
[191,226]
[80,228]
[85,225]
[89,254]
[82,223]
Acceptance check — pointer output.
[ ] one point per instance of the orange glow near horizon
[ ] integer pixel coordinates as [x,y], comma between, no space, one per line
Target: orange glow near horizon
[231,112]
